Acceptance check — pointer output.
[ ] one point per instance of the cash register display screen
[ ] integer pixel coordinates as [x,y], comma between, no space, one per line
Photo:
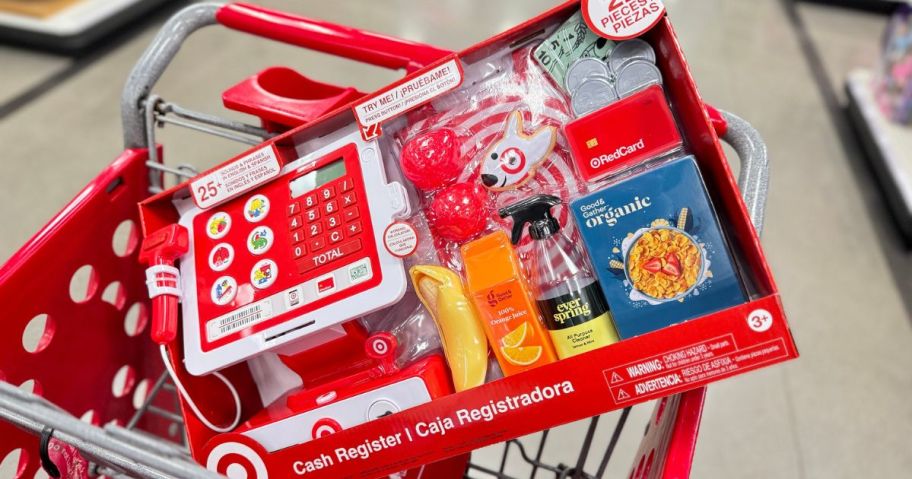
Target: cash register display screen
[317,178]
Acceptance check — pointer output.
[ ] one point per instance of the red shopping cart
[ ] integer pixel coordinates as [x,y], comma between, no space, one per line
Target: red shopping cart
[114,403]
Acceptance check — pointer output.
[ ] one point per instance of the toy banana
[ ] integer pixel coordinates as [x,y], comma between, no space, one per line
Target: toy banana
[464,341]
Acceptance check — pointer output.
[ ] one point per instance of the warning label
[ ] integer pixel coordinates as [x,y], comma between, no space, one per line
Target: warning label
[676,370]
[622,19]
[400,239]
[406,95]
[236,177]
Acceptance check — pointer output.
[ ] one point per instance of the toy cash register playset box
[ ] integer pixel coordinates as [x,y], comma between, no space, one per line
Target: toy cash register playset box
[535,230]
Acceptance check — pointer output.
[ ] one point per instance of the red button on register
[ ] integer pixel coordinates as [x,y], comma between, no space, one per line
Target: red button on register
[310,200]
[333,221]
[314,229]
[330,255]
[316,244]
[351,213]
[294,208]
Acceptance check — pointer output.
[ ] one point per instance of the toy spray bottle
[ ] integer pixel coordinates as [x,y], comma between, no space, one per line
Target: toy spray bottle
[566,290]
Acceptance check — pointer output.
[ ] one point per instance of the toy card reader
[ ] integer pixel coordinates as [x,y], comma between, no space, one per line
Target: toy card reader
[291,257]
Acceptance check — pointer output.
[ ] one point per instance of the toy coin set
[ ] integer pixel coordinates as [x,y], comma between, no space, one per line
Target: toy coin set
[535,230]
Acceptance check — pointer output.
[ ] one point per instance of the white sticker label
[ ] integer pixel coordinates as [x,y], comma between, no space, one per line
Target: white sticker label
[400,239]
[236,177]
[406,95]
[239,319]
[622,19]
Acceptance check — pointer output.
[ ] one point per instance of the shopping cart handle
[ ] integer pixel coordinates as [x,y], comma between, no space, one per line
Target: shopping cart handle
[348,42]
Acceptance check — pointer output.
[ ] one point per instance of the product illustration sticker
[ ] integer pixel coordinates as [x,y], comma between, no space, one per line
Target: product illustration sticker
[224,290]
[260,240]
[256,208]
[622,19]
[218,225]
[512,160]
[264,274]
[221,257]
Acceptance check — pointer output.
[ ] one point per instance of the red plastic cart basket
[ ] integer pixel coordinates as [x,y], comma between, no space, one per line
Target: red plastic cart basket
[75,360]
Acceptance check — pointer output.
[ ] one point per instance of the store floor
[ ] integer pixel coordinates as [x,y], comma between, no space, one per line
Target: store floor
[841,411]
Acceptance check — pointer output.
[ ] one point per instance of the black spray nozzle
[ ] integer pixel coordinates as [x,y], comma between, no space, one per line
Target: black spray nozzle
[535,210]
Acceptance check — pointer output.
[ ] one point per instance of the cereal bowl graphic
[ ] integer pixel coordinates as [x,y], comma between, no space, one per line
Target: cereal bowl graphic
[663,262]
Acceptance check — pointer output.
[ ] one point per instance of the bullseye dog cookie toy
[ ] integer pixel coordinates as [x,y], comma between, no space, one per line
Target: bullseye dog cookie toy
[512,160]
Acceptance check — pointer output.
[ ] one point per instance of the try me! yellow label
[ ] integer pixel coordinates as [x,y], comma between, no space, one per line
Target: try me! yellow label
[236,177]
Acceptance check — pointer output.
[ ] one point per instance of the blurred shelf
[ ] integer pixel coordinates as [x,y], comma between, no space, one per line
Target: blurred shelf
[888,146]
[877,6]
[74,28]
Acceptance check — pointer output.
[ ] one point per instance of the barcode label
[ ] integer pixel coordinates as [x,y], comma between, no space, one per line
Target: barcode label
[237,320]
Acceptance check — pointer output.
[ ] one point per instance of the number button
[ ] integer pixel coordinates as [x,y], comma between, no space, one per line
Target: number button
[297,236]
[333,221]
[348,199]
[314,229]
[312,215]
[331,207]
[351,213]
[317,244]
[327,193]
[298,251]
[353,228]
[295,222]
[346,184]
[310,200]
[294,208]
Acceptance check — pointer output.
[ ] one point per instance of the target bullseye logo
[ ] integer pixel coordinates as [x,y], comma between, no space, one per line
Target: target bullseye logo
[236,461]
[513,160]
[381,345]
[325,427]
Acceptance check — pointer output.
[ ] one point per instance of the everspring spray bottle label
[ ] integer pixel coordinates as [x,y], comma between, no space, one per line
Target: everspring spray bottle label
[578,321]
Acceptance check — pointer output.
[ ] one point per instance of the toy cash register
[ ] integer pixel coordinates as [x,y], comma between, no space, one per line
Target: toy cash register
[291,257]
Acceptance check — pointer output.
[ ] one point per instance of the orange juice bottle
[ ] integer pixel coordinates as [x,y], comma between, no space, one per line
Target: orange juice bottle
[509,315]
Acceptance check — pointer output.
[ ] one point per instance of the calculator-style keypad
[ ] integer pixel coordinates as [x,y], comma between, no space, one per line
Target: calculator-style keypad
[325,225]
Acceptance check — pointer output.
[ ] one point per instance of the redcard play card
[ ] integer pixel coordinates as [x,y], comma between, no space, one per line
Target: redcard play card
[623,134]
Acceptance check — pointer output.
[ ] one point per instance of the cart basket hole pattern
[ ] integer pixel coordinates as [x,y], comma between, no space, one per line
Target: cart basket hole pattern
[77,306]
[38,333]
[114,294]
[83,284]
[14,464]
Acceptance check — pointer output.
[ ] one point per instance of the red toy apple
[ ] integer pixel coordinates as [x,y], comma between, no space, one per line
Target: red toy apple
[431,160]
[459,212]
